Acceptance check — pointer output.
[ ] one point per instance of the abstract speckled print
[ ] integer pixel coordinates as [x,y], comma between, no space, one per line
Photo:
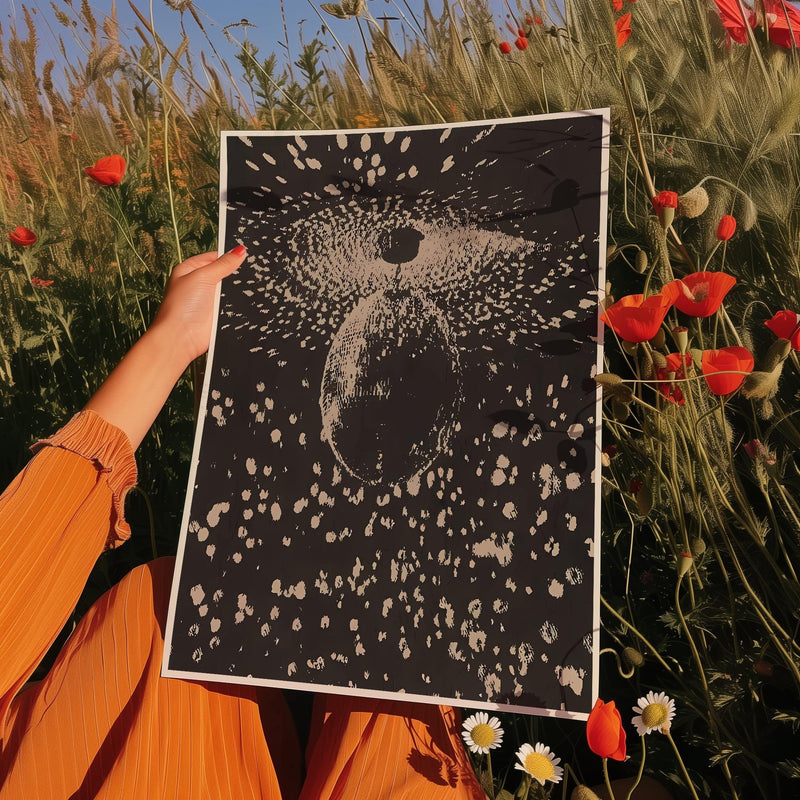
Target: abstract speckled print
[394,486]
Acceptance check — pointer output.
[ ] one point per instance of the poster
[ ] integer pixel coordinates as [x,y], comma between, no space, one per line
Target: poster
[394,487]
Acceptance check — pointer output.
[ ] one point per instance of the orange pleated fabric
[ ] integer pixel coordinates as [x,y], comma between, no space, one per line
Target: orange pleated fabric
[105,724]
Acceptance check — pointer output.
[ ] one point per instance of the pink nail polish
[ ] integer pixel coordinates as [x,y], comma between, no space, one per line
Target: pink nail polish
[239,250]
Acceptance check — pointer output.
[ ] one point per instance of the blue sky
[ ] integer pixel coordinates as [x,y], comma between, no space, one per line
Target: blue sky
[265,18]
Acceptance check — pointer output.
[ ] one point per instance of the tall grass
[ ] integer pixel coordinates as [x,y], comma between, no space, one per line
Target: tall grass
[688,108]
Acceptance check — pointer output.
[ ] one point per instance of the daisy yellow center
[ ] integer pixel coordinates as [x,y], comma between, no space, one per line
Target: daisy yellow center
[655,715]
[483,735]
[539,766]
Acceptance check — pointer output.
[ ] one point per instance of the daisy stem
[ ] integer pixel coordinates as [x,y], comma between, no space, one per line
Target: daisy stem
[607,780]
[489,770]
[640,772]
[683,767]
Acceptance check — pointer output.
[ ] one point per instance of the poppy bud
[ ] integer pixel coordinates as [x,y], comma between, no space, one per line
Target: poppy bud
[641,262]
[620,411]
[726,228]
[583,792]
[607,379]
[632,657]
[659,359]
[777,353]
[505,47]
[693,203]
[684,564]
[521,43]
[658,341]
[520,32]
[698,547]
[604,732]
[644,501]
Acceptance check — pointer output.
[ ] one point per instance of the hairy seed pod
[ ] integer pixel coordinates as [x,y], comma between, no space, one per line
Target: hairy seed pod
[693,203]
[778,352]
[746,212]
[632,657]
[641,262]
[698,547]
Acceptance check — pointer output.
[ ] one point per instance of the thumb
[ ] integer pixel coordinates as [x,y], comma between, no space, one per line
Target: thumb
[225,265]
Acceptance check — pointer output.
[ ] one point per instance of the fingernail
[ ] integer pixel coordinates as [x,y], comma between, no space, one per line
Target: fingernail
[239,250]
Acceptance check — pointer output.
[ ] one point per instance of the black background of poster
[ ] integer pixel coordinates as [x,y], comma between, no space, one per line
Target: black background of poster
[488,603]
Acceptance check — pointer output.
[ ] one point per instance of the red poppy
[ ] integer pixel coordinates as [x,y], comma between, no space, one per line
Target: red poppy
[22,236]
[732,19]
[786,325]
[505,47]
[665,199]
[726,228]
[702,293]
[107,171]
[622,27]
[40,282]
[722,368]
[521,43]
[604,731]
[616,5]
[783,23]
[637,319]
[672,391]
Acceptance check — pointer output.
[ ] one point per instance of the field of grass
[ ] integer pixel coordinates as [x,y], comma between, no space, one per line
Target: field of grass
[701,510]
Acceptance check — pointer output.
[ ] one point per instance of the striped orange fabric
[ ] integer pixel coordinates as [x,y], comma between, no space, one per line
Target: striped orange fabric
[104,724]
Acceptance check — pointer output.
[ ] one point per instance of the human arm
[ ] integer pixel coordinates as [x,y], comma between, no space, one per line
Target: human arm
[61,510]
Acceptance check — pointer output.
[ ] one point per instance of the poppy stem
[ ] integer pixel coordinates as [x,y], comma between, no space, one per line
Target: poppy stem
[640,772]
[683,766]
[607,780]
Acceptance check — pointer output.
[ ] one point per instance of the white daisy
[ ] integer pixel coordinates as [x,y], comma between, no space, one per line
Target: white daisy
[654,712]
[481,733]
[540,763]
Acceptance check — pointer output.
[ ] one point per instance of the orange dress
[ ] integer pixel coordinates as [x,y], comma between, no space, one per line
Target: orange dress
[105,724]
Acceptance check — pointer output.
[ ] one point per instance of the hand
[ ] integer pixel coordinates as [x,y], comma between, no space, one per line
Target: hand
[134,393]
[187,310]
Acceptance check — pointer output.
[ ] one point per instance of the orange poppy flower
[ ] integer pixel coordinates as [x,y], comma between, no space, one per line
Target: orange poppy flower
[702,293]
[732,20]
[604,731]
[521,43]
[673,392]
[505,47]
[107,171]
[783,23]
[22,236]
[729,361]
[636,318]
[40,282]
[786,325]
[622,28]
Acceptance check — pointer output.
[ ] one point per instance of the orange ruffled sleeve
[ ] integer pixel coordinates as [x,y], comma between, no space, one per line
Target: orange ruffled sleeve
[56,517]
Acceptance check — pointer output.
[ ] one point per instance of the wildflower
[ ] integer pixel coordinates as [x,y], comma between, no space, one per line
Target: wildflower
[684,565]
[634,486]
[783,23]
[785,325]
[758,452]
[636,318]
[665,204]
[703,292]
[505,47]
[726,228]
[675,368]
[604,731]
[22,236]
[540,763]
[732,20]
[107,171]
[732,363]
[622,28]
[654,712]
[616,5]
[521,43]
[482,733]
[40,282]
[681,336]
